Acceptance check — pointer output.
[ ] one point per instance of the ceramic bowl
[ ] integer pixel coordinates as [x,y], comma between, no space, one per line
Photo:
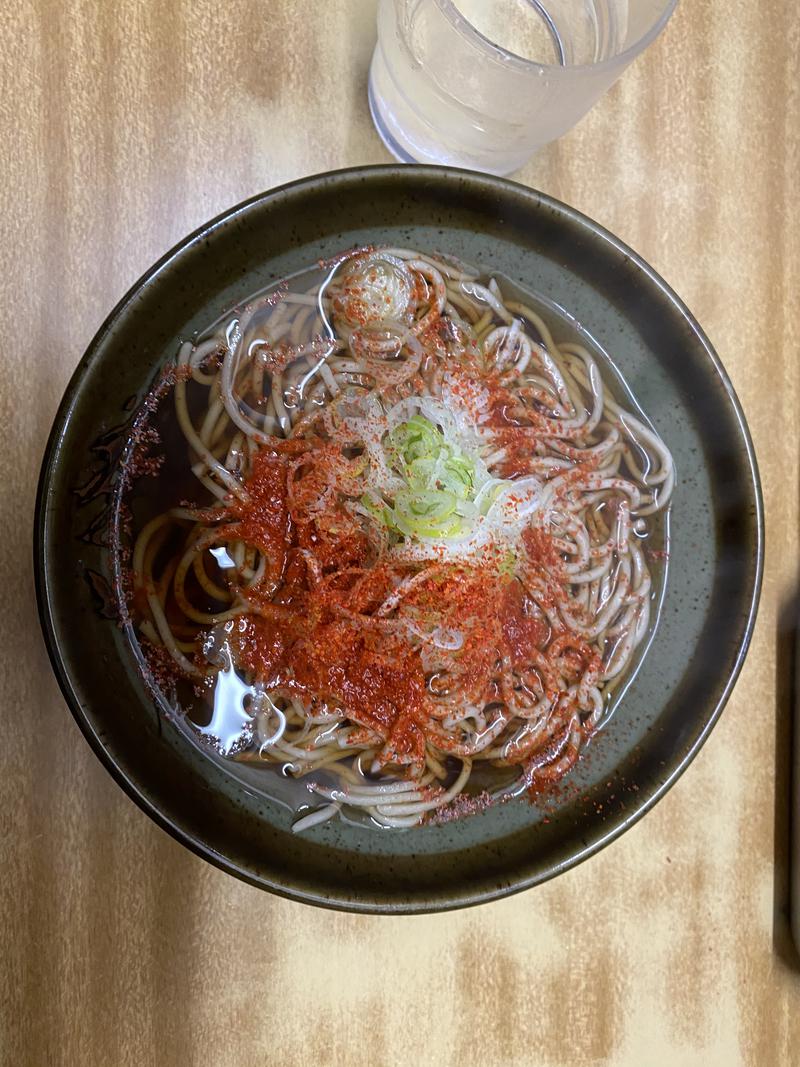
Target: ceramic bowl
[715,566]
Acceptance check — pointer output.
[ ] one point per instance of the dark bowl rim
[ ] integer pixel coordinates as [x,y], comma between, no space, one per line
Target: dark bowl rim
[648,796]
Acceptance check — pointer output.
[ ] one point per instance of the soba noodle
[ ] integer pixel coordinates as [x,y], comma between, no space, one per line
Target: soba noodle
[421,552]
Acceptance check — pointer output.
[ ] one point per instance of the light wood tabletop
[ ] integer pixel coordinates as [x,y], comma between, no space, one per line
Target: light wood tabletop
[124,126]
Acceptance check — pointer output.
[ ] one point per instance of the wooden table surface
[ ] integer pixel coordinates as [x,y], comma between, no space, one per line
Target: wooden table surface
[124,125]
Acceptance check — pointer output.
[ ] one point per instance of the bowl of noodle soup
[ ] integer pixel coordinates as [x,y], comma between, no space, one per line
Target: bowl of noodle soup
[415,536]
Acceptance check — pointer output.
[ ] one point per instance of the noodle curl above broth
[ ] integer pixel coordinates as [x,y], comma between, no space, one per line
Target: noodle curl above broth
[380,531]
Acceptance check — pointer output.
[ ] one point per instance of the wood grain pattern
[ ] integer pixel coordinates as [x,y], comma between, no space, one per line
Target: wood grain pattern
[124,125]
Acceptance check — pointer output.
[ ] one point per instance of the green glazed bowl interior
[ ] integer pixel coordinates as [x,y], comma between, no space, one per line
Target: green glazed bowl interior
[715,552]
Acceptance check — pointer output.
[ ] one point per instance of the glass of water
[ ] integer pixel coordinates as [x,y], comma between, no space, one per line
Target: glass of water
[484,83]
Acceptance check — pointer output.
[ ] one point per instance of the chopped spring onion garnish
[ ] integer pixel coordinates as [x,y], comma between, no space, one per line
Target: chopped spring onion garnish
[444,492]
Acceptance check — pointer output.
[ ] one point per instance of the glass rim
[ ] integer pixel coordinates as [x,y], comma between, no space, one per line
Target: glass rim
[496,52]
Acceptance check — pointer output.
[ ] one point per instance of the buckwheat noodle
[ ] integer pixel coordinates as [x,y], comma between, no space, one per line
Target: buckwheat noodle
[423,550]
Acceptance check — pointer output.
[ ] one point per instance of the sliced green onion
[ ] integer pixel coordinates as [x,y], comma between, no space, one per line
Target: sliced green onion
[420,473]
[441,497]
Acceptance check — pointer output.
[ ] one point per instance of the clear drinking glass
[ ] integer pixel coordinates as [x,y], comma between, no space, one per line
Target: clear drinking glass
[484,83]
